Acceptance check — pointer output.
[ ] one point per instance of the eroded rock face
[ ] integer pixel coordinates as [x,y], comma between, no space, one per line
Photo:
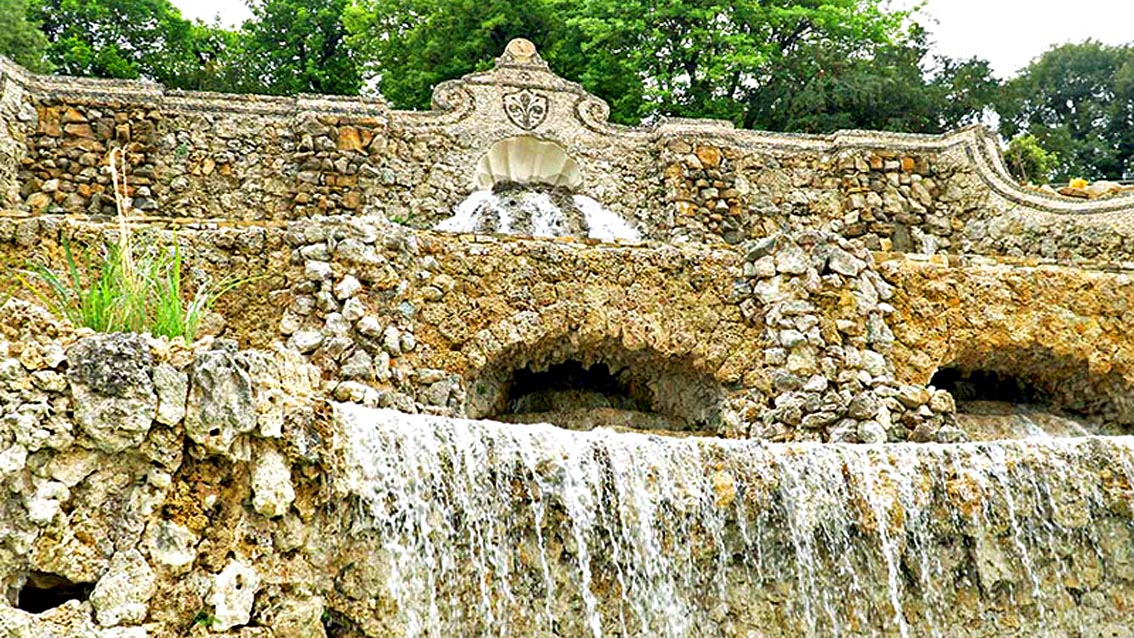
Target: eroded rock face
[114,396]
[123,594]
[346,522]
[234,591]
[221,405]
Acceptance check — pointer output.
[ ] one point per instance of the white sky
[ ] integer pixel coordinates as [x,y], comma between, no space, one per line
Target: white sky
[1008,33]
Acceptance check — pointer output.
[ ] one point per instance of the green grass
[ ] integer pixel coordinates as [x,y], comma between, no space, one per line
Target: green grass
[130,287]
[134,285]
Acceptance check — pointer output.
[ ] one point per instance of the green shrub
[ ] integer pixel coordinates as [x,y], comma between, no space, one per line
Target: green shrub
[1028,161]
[135,285]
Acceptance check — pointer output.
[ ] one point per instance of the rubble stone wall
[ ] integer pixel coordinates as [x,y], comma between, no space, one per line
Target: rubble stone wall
[801,336]
[167,490]
[197,155]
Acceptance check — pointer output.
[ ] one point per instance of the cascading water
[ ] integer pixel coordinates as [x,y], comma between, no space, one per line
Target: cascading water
[490,529]
[538,212]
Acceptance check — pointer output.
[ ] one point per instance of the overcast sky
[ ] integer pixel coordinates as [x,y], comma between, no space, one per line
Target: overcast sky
[1008,33]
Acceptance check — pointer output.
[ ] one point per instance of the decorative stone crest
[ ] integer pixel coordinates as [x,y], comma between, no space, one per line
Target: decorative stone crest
[521,51]
[526,108]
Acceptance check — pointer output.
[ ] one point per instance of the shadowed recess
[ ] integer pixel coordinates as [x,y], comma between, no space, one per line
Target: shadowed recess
[1026,381]
[43,591]
[600,385]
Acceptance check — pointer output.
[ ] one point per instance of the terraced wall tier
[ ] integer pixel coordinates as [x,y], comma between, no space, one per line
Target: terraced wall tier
[199,155]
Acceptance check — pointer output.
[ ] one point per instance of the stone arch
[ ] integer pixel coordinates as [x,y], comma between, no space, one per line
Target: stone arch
[525,159]
[666,390]
[1036,374]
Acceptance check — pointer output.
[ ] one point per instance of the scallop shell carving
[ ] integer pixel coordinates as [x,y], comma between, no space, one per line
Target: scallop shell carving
[528,160]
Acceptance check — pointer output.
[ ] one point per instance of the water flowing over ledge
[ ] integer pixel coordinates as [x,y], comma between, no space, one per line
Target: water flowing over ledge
[529,530]
[537,213]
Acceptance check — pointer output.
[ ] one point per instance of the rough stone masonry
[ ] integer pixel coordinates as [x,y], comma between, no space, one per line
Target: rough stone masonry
[787,289]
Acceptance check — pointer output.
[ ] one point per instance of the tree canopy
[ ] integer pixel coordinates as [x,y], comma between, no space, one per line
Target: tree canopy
[1077,100]
[117,38]
[797,65]
[21,38]
[299,46]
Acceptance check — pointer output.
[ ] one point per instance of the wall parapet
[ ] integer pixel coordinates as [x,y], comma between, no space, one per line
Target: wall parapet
[214,156]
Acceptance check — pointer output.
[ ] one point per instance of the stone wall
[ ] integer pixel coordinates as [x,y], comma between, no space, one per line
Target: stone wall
[801,336]
[259,158]
[792,289]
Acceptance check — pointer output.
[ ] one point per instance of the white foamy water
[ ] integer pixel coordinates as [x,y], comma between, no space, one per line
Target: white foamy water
[492,529]
[485,211]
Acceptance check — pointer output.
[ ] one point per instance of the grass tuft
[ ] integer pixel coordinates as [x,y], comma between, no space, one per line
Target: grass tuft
[135,285]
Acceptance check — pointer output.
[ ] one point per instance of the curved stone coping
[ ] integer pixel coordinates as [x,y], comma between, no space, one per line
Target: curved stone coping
[980,146]
[152,94]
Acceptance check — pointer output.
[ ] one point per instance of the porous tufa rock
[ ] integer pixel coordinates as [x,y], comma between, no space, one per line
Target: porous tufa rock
[234,591]
[123,594]
[221,406]
[297,617]
[113,393]
[272,491]
[172,387]
[171,546]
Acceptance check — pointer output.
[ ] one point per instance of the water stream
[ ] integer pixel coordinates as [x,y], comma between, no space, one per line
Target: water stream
[490,529]
[538,213]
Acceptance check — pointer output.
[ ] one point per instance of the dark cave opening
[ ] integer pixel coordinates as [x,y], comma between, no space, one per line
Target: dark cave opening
[43,591]
[572,385]
[986,385]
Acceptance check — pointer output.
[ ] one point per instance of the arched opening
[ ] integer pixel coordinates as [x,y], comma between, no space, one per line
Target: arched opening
[602,385]
[527,160]
[1020,392]
[973,386]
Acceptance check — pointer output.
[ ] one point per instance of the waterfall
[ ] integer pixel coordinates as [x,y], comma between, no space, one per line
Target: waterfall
[490,529]
[537,212]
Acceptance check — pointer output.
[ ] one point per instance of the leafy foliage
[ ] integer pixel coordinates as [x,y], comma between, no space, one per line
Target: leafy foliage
[21,38]
[1028,161]
[118,38]
[412,45]
[782,65]
[293,46]
[1078,101]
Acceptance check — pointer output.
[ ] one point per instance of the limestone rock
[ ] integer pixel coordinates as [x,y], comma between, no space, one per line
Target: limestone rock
[871,432]
[113,393]
[297,618]
[171,545]
[123,594]
[845,263]
[172,388]
[234,591]
[272,491]
[220,405]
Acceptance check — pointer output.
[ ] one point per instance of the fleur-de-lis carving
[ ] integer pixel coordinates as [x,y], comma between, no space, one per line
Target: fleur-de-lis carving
[526,109]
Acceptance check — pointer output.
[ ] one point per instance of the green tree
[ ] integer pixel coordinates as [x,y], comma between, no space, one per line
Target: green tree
[797,65]
[886,87]
[413,45]
[294,46]
[20,39]
[722,58]
[1077,100]
[1027,161]
[118,38]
